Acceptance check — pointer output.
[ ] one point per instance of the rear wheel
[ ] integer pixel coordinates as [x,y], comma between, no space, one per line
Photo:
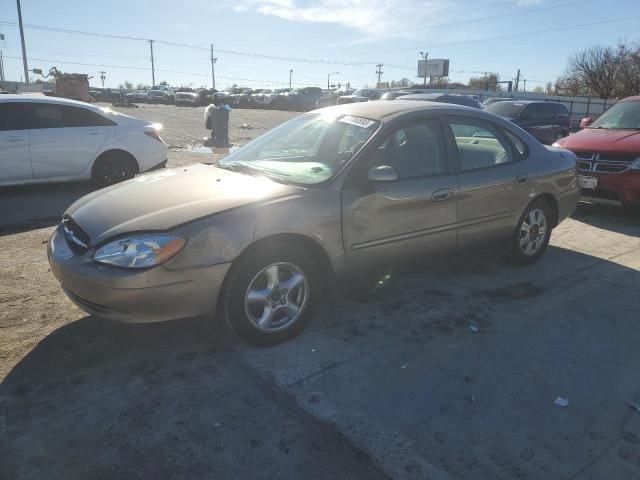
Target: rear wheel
[113,167]
[271,296]
[531,237]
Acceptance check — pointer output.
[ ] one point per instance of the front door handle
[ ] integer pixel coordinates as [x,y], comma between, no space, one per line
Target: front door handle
[440,195]
[95,133]
[521,179]
[15,139]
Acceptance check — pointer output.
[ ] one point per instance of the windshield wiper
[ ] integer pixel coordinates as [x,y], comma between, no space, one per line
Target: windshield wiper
[248,169]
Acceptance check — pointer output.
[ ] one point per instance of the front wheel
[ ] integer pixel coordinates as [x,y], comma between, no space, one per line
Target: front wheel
[272,294]
[112,168]
[531,237]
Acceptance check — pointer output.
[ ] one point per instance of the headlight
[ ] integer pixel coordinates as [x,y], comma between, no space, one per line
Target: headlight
[140,251]
[636,165]
[556,144]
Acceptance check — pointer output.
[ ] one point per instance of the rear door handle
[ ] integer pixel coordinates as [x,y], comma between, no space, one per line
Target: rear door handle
[521,179]
[440,195]
[15,139]
[95,133]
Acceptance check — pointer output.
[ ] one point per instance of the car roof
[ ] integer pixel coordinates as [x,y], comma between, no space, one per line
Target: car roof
[378,110]
[44,99]
[631,99]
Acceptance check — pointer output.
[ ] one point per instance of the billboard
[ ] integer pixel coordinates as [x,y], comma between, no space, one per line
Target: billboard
[436,67]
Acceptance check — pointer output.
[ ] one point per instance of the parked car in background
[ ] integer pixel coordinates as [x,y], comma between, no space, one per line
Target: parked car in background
[454,98]
[240,99]
[331,98]
[160,94]
[547,121]
[302,99]
[185,96]
[262,98]
[491,100]
[345,191]
[360,95]
[49,139]
[608,151]
[395,94]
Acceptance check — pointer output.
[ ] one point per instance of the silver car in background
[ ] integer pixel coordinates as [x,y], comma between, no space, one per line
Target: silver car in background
[334,193]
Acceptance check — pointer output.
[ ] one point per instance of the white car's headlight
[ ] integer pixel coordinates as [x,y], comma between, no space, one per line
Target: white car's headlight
[140,251]
[636,164]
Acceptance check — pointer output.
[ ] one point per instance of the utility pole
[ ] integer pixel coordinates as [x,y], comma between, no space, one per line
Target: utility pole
[518,80]
[290,73]
[329,76]
[153,68]
[379,72]
[1,67]
[525,85]
[102,76]
[24,49]
[213,71]
[425,55]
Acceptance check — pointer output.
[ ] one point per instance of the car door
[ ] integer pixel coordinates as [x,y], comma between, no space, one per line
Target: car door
[411,218]
[15,160]
[65,139]
[549,127]
[492,180]
[529,120]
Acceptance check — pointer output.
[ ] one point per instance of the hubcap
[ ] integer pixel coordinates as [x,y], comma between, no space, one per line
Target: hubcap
[533,231]
[276,297]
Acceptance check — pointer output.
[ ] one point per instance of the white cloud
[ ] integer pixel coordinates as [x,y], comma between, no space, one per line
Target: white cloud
[372,17]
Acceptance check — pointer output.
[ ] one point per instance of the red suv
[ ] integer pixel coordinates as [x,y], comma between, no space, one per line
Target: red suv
[608,151]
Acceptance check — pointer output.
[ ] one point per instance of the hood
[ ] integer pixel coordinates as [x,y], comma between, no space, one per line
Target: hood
[603,140]
[167,198]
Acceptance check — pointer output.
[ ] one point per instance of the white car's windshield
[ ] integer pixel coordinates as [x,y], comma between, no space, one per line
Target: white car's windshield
[308,149]
[623,115]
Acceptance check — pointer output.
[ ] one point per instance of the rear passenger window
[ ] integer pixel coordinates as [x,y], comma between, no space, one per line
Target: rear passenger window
[546,110]
[479,145]
[14,116]
[519,146]
[61,116]
[530,112]
[561,110]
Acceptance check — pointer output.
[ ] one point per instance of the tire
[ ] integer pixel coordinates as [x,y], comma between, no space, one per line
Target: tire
[527,245]
[113,167]
[269,318]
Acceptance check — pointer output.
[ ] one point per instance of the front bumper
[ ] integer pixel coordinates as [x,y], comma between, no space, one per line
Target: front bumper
[132,296]
[620,187]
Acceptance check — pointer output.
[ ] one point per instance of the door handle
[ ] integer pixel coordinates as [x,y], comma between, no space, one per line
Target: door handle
[15,139]
[440,195]
[521,179]
[94,133]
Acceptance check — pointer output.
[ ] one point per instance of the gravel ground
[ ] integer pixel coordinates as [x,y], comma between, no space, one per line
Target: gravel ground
[447,372]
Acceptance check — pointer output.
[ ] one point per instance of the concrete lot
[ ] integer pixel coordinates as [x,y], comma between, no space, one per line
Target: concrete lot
[450,372]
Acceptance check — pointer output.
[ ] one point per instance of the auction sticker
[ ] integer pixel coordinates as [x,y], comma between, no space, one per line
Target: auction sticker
[357,121]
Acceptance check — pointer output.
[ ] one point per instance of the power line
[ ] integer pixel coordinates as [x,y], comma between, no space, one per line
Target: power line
[494,17]
[524,34]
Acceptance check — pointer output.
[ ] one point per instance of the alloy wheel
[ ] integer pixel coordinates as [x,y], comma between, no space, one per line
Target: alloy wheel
[533,231]
[276,297]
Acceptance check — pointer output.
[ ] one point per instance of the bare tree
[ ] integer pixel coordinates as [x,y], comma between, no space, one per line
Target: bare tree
[628,69]
[487,82]
[597,69]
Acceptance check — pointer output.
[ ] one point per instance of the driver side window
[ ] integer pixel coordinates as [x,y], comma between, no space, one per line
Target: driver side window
[415,150]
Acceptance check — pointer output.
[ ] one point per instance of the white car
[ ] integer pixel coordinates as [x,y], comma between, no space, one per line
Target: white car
[48,139]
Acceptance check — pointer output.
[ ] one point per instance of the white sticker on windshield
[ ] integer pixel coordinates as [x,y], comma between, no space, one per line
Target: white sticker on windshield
[357,121]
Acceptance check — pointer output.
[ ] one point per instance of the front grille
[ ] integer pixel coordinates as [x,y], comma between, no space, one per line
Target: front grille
[77,238]
[604,162]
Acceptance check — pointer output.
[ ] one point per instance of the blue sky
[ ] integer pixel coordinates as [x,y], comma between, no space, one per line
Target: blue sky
[536,36]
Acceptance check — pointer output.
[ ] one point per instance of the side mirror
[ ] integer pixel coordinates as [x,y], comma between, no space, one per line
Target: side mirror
[383,173]
[585,122]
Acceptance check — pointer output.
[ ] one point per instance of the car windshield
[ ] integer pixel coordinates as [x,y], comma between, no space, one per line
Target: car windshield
[362,92]
[623,115]
[506,109]
[308,149]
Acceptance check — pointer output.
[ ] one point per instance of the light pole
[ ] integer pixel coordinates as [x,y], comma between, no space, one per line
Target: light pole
[290,73]
[213,71]
[24,48]
[425,55]
[329,76]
